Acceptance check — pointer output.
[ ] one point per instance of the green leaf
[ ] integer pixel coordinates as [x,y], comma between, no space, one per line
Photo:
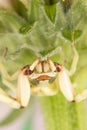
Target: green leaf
[12,20]
[77,34]
[33,11]
[69,34]
[26,28]
[2,27]
[46,51]
[49,52]
[51,12]
[50,2]
[20,8]
[60,114]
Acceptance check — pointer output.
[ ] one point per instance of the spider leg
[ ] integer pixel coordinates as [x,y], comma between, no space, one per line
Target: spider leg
[65,85]
[67,88]
[6,78]
[23,93]
[23,90]
[34,64]
[9,85]
[4,97]
[82,96]
[53,68]
[5,74]
[74,62]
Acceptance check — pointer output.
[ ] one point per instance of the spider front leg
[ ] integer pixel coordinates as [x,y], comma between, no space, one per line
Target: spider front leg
[23,91]
[74,61]
[5,98]
[23,88]
[5,75]
[65,84]
[67,88]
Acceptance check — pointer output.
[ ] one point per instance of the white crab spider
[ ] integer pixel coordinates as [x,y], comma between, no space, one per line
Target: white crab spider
[41,78]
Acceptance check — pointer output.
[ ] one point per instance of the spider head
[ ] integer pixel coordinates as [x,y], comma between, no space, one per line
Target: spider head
[42,76]
[42,69]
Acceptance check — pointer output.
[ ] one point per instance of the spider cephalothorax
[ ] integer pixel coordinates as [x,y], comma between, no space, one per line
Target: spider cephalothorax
[42,78]
[41,67]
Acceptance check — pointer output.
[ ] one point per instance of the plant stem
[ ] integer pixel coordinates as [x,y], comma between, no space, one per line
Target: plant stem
[60,114]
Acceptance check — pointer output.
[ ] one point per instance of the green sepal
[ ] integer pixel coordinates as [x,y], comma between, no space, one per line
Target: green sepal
[47,51]
[51,12]
[26,28]
[70,34]
[33,11]
[50,2]
[20,8]
[2,27]
[10,22]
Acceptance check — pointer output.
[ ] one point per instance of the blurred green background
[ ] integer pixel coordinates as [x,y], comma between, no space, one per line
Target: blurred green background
[41,28]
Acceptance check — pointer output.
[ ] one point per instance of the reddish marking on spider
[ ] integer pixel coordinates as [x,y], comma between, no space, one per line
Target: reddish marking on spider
[44,77]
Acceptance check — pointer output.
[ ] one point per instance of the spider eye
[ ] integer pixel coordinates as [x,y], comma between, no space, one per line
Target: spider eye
[26,70]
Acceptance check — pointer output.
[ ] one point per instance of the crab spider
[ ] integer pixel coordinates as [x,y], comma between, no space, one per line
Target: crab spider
[41,78]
